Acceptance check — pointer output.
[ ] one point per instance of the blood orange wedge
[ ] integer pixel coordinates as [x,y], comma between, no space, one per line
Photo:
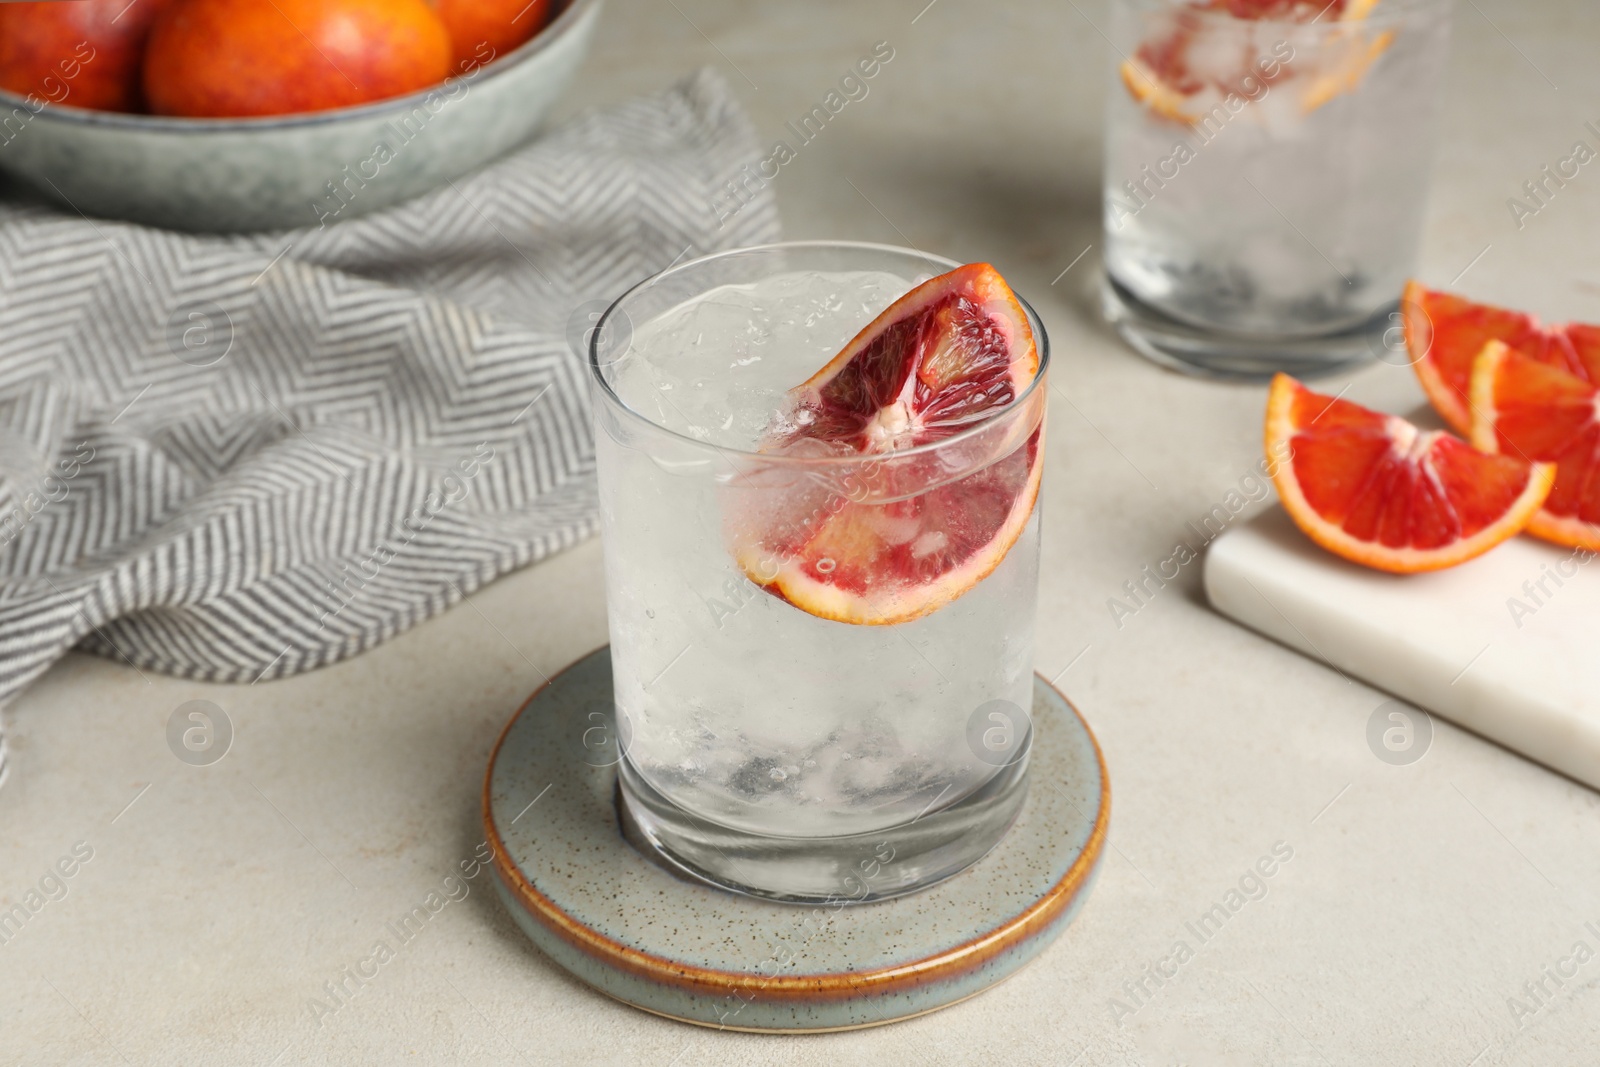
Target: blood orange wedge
[1445,333]
[1376,490]
[877,529]
[1522,407]
[1295,10]
[1197,70]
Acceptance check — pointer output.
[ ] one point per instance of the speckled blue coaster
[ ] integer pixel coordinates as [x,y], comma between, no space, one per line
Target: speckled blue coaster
[626,926]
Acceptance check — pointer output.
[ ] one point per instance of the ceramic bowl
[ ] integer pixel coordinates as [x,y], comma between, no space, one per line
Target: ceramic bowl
[297,170]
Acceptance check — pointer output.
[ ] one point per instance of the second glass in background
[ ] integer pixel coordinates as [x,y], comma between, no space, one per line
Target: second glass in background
[1266,180]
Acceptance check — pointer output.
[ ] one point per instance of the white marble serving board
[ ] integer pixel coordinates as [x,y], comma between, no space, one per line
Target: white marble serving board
[1480,644]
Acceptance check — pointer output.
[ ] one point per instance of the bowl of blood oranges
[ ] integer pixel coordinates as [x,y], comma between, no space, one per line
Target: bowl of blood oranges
[240,115]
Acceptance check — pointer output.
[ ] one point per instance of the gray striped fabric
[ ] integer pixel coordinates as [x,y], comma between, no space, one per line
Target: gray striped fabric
[238,458]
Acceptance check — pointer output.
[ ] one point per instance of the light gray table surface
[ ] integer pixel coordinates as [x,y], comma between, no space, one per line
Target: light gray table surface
[1419,900]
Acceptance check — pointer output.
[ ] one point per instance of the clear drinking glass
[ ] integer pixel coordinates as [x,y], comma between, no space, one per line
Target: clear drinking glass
[1265,178]
[768,749]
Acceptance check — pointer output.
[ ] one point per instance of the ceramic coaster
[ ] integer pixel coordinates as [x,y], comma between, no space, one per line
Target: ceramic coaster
[626,926]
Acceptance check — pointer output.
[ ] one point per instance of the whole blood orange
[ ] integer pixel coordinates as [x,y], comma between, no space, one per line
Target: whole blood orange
[1525,408]
[82,53]
[1445,333]
[482,30]
[1375,489]
[220,58]
[947,356]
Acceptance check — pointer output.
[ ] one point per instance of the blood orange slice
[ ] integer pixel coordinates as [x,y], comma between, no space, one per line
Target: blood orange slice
[1295,10]
[891,535]
[1445,333]
[1376,490]
[1190,73]
[1526,408]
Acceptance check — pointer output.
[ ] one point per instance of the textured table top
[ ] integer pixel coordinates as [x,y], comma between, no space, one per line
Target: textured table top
[1427,913]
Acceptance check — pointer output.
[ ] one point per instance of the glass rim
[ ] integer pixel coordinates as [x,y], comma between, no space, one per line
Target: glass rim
[1041,343]
[1386,13]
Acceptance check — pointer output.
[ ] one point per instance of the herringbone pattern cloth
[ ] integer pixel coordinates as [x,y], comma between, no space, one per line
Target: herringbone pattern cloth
[239,458]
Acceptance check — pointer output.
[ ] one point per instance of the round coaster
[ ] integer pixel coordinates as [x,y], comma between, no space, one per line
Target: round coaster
[634,931]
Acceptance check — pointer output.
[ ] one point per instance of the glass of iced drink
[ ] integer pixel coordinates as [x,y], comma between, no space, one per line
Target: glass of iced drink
[819,466]
[1266,168]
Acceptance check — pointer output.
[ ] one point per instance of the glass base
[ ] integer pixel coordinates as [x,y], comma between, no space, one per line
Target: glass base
[823,870]
[1242,357]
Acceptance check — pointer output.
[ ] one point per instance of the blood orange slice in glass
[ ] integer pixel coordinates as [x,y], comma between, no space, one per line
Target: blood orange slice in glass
[1295,10]
[1375,489]
[1445,333]
[876,522]
[1525,408]
[1194,69]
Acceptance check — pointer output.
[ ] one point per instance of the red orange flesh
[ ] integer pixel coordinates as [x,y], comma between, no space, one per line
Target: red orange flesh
[1525,408]
[1175,73]
[1376,490]
[1445,333]
[945,357]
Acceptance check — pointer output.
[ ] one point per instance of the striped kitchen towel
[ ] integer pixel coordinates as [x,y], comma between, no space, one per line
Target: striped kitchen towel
[238,458]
